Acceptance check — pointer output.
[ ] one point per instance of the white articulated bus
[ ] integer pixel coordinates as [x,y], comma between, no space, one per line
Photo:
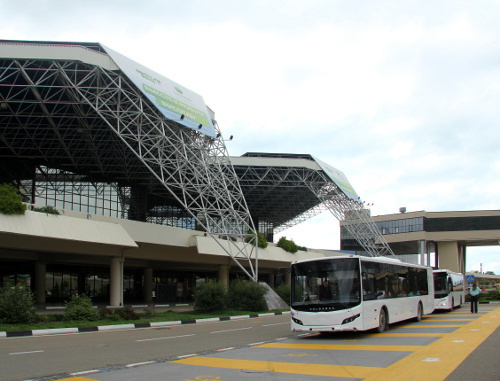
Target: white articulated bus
[449,289]
[356,293]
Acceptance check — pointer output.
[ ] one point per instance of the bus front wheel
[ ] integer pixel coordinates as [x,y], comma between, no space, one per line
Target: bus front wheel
[382,321]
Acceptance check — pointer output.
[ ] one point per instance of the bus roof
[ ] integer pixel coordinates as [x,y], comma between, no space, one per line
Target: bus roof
[363,258]
[446,271]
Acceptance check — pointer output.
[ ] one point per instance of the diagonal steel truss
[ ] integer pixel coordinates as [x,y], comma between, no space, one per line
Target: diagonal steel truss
[194,168]
[311,190]
[314,211]
[355,218]
[277,192]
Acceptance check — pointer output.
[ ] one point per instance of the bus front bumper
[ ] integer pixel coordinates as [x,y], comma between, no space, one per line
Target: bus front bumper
[351,323]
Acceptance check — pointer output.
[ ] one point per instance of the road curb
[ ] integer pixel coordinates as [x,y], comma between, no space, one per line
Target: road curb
[60,331]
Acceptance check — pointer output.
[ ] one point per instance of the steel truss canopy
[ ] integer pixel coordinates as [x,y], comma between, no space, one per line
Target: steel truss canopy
[287,189]
[72,107]
[84,115]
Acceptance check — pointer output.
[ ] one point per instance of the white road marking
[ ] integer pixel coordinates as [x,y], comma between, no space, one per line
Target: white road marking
[164,338]
[25,353]
[190,355]
[139,364]
[85,372]
[269,325]
[232,330]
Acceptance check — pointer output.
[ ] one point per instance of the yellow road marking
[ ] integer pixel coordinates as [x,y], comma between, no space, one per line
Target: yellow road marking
[426,366]
[411,334]
[430,326]
[281,367]
[451,319]
[343,347]
[299,355]
[421,364]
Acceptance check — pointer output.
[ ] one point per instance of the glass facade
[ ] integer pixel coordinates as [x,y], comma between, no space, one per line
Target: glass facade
[444,224]
[407,225]
[462,223]
[70,191]
[64,281]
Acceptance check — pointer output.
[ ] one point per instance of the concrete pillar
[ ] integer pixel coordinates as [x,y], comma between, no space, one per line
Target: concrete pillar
[40,271]
[449,256]
[147,287]
[288,278]
[461,258]
[271,280]
[116,282]
[224,275]
[422,251]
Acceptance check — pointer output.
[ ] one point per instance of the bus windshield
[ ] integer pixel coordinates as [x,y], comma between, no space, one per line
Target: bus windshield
[442,285]
[326,285]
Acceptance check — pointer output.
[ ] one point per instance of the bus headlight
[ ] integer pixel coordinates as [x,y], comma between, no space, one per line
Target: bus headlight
[297,321]
[350,319]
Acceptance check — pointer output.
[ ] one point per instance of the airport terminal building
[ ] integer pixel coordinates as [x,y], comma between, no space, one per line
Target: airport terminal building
[149,203]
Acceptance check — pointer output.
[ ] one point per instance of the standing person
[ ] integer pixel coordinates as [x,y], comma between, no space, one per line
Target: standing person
[474,296]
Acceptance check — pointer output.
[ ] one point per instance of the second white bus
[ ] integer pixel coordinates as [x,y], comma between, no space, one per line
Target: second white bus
[355,293]
[449,289]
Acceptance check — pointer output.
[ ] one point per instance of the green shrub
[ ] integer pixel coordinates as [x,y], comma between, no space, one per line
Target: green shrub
[226,238]
[127,313]
[49,318]
[485,296]
[247,295]
[283,291]
[261,240]
[287,245]
[489,296]
[149,312]
[48,209]
[105,314]
[210,297]
[17,305]
[80,308]
[10,200]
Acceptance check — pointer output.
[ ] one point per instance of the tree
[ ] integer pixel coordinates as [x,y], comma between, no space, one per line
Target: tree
[11,201]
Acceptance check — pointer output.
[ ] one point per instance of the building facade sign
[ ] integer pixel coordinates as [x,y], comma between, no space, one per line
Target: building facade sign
[174,101]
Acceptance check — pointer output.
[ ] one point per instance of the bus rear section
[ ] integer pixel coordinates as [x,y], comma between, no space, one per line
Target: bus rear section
[352,293]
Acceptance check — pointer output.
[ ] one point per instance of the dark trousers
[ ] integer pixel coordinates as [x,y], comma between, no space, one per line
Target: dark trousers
[473,303]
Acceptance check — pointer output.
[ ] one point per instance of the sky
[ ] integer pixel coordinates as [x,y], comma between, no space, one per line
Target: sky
[401,96]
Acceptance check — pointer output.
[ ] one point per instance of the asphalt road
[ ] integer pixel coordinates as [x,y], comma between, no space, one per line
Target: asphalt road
[30,357]
[454,346]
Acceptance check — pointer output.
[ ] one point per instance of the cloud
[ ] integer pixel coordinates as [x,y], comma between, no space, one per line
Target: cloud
[401,97]
[483,259]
